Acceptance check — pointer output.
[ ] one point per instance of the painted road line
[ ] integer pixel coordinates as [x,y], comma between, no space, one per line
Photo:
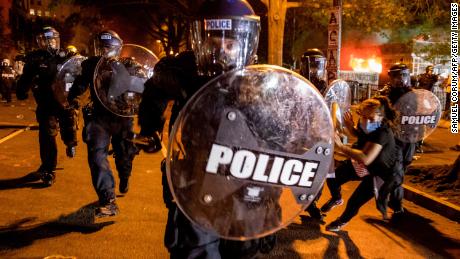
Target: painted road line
[14,134]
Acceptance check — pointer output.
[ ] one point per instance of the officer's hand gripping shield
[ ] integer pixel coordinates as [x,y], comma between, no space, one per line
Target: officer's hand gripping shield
[65,78]
[119,83]
[250,151]
[420,112]
[338,100]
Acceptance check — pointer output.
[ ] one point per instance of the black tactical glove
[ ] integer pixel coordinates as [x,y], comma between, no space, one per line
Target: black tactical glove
[150,144]
[71,151]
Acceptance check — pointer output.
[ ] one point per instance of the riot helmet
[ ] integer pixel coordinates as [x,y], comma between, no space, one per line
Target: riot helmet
[399,75]
[225,35]
[107,44]
[71,50]
[313,64]
[49,39]
[5,62]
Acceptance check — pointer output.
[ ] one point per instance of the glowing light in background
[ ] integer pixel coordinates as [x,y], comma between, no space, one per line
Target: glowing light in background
[372,64]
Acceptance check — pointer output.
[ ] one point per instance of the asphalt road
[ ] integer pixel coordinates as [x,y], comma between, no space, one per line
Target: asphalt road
[36,222]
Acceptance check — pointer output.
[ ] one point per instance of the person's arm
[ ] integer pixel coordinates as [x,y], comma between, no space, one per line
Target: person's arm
[81,83]
[349,124]
[151,109]
[366,156]
[25,81]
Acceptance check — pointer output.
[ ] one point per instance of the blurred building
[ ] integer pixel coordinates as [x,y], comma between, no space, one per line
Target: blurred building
[420,60]
[26,17]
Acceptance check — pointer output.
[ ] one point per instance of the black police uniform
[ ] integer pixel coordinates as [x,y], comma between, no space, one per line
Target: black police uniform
[406,150]
[176,79]
[6,82]
[39,73]
[101,129]
[320,84]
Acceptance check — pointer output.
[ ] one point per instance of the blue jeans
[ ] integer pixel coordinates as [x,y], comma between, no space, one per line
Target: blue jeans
[98,133]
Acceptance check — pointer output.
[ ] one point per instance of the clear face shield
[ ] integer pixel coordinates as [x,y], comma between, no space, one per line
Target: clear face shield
[108,48]
[222,44]
[314,67]
[50,42]
[400,78]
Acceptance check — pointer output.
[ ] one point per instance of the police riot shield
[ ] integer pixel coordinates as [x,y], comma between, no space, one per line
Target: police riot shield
[420,111]
[65,78]
[338,99]
[250,151]
[119,83]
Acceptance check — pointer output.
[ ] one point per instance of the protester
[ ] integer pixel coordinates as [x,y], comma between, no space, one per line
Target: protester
[374,154]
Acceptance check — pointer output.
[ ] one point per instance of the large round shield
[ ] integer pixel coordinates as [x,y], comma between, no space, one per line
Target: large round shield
[338,99]
[65,78]
[142,55]
[420,111]
[119,83]
[250,151]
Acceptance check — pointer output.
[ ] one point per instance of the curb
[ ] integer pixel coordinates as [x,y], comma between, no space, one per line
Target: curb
[444,208]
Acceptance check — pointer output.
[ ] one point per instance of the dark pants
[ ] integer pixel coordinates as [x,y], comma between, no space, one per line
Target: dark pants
[48,127]
[98,134]
[362,194]
[392,187]
[406,153]
[5,89]
[344,173]
[47,132]
[186,240]
[182,238]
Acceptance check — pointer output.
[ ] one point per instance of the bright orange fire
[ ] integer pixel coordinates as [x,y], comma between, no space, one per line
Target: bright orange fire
[373,64]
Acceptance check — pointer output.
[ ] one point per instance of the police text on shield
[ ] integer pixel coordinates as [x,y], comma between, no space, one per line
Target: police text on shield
[250,165]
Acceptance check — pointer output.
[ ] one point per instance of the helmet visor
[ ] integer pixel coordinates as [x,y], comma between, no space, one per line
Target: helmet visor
[50,42]
[313,67]
[400,78]
[224,44]
[107,46]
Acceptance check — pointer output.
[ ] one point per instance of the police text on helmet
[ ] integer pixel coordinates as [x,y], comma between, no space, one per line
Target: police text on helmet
[218,24]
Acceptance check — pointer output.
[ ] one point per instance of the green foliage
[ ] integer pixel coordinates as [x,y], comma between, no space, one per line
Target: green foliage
[397,21]
[431,51]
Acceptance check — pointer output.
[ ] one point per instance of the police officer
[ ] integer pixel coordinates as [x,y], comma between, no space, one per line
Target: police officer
[219,46]
[427,80]
[39,73]
[313,67]
[102,128]
[400,84]
[6,80]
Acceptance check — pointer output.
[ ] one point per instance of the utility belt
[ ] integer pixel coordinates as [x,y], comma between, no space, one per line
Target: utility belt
[92,111]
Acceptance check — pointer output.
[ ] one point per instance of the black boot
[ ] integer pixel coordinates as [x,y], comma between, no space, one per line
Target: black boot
[124,185]
[47,176]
